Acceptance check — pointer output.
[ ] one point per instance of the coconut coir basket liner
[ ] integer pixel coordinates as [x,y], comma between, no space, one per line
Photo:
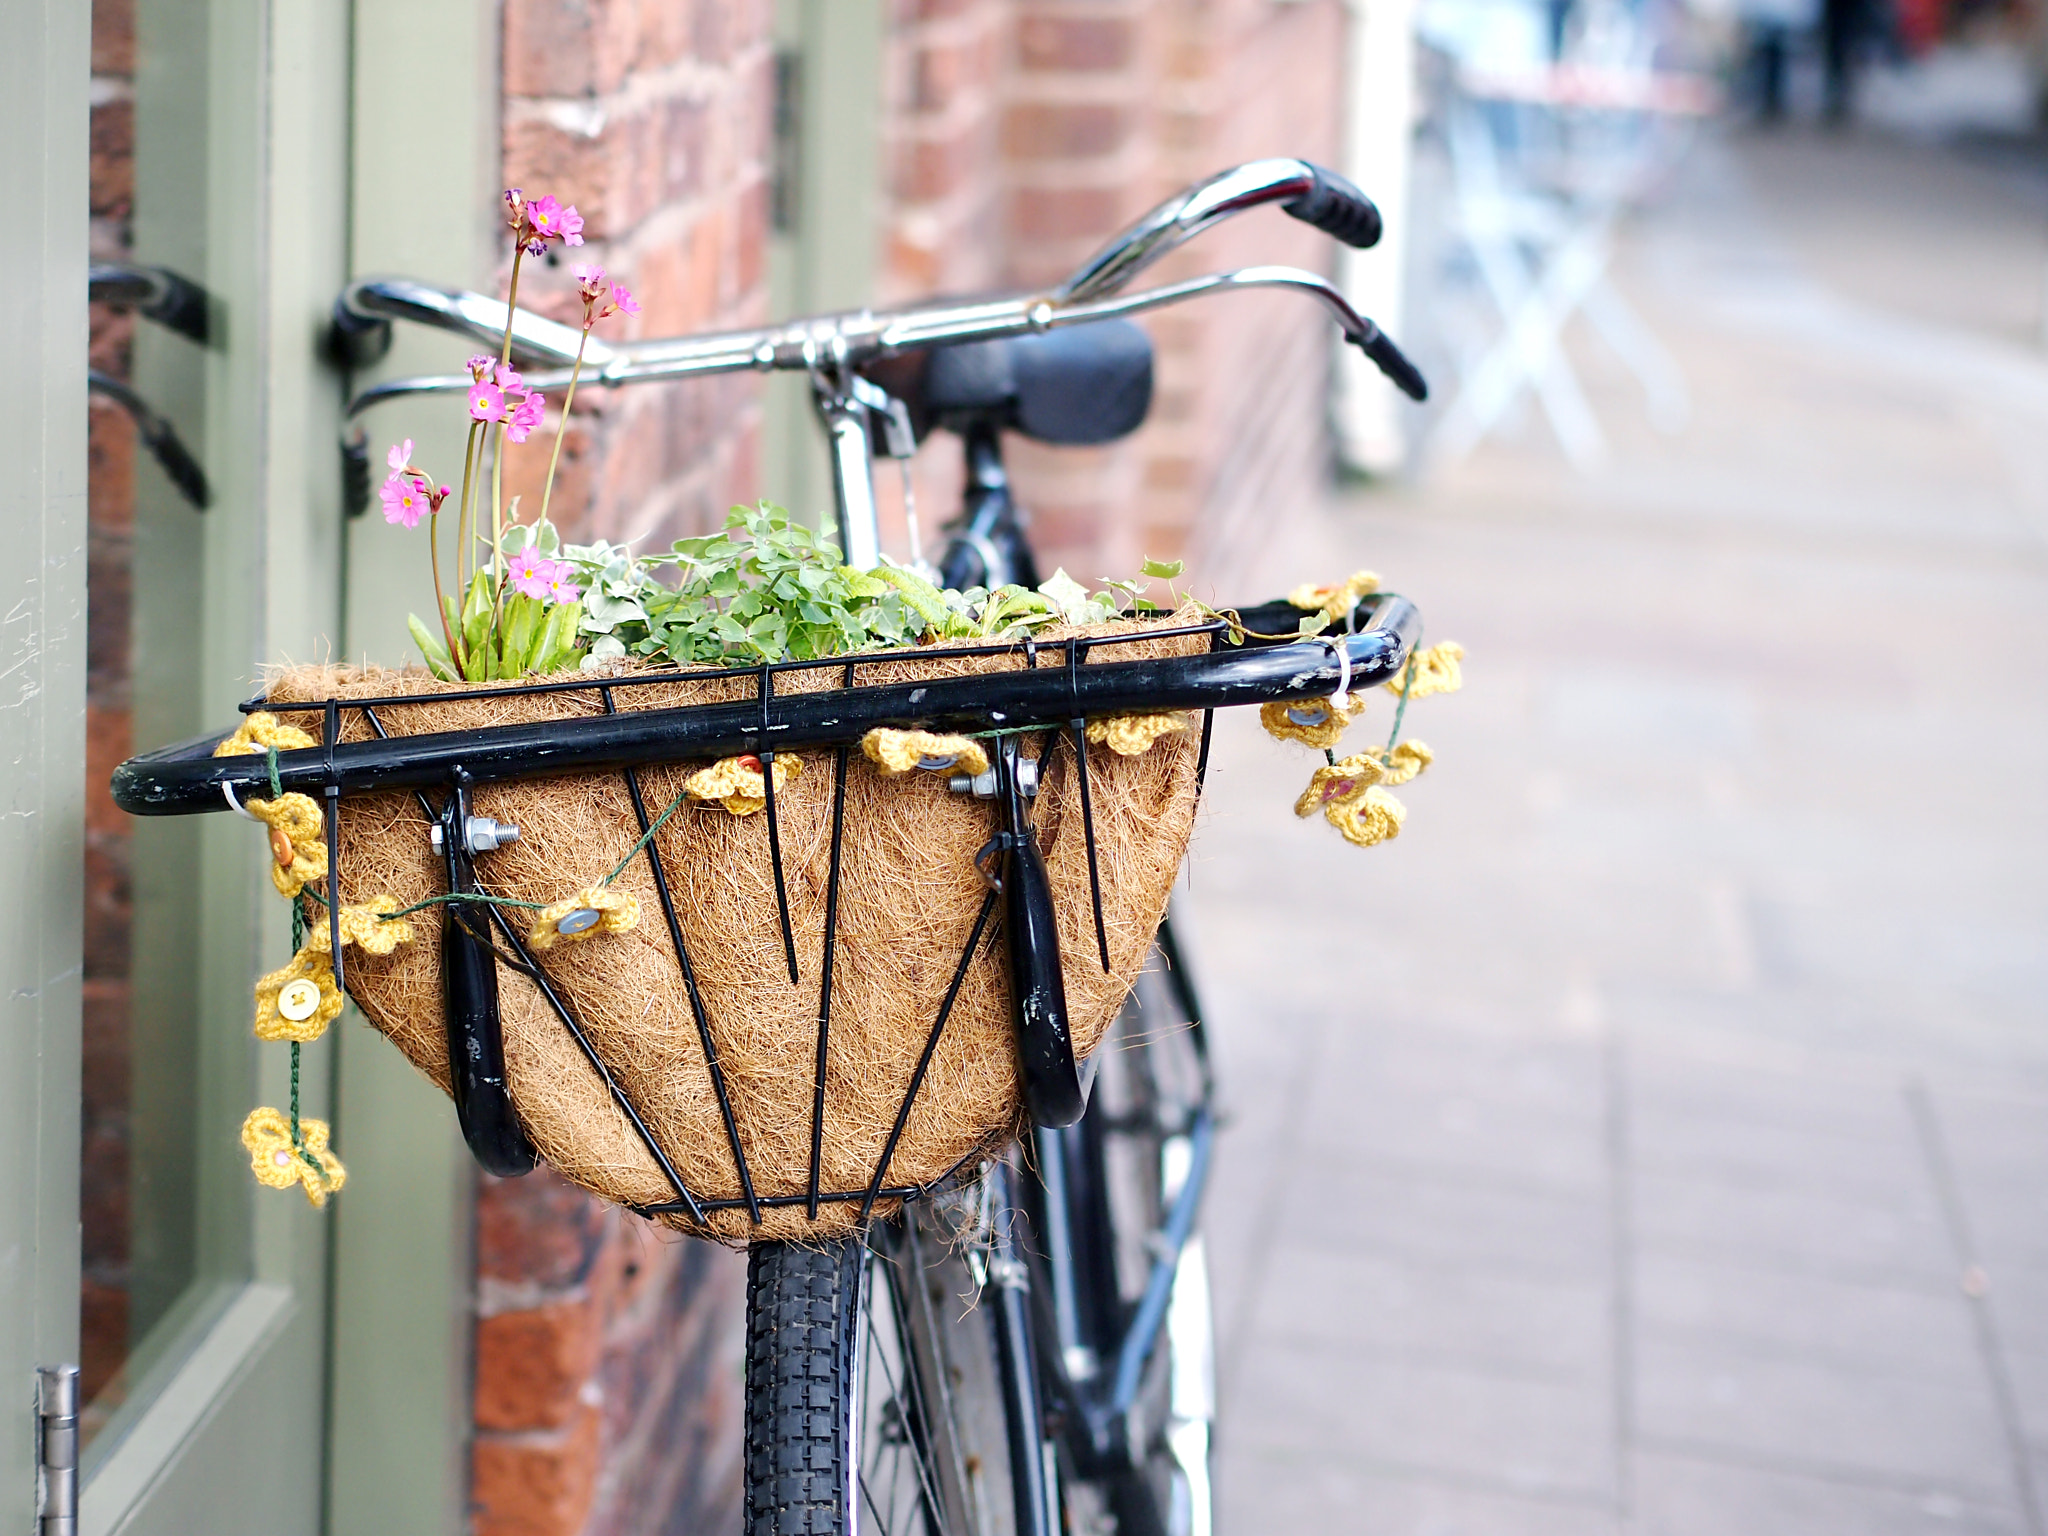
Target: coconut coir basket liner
[908,899]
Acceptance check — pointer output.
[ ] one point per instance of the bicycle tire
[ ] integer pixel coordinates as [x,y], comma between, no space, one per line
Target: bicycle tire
[875,1400]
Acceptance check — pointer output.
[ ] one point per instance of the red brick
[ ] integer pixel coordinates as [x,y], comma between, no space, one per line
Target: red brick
[540,1229]
[568,47]
[1076,44]
[1066,129]
[532,1365]
[594,172]
[535,1485]
[933,168]
[113,158]
[1068,213]
[113,37]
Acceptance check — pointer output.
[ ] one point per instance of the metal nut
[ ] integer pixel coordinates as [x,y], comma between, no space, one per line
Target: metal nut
[481,833]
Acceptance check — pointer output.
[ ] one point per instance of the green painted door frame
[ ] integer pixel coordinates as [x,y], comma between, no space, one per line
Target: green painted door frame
[222,1426]
[399,1418]
[45,48]
[827,242]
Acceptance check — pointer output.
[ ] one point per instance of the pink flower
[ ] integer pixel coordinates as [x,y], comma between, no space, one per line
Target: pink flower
[399,458]
[590,277]
[404,501]
[530,573]
[532,407]
[507,377]
[549,220]
[486,402]
[480,366]
[601,305]
[560,588]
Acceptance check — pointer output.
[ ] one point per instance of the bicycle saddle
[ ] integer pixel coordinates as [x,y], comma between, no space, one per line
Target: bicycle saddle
[1076,385]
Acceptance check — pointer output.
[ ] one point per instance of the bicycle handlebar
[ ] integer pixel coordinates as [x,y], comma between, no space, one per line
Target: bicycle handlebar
[837,344]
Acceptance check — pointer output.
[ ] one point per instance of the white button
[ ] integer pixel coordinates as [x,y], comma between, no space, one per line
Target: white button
[299,1001]
[577,921]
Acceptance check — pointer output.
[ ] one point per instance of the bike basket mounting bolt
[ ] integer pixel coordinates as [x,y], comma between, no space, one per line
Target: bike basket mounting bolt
[983,785]
[481,833]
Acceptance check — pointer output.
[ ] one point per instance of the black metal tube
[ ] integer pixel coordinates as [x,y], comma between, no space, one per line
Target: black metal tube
[184,779]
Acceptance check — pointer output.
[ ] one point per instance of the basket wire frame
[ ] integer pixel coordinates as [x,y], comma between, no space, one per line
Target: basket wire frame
[516,956]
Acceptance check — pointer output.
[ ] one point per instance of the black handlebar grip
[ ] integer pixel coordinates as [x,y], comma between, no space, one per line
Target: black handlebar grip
[1393,362]
[1337,208]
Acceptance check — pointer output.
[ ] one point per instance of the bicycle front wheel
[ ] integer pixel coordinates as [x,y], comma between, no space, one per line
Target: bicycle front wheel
[883,1396]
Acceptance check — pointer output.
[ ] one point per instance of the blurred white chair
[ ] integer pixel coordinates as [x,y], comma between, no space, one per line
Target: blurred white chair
[1545,156]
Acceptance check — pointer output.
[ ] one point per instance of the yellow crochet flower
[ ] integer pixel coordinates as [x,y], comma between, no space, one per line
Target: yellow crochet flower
[260,731]
[591,911]
[1335,600]
[276,1163]
[1436,671]
[1131,735]
[1318,722]
[298,842]
[364,926]
[1348,795]
[1372,818]
[1341,782]
[898,752]
[738,784]
[299,1001]
[1405,762]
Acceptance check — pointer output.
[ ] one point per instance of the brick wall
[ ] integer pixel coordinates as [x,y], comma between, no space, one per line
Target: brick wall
[607,1386]
[1022,133]
[653,118]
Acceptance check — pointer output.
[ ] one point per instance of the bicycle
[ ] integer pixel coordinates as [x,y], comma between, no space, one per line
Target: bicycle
[990,1359]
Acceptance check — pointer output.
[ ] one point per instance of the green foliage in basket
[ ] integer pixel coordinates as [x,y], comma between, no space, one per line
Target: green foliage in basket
[768,588]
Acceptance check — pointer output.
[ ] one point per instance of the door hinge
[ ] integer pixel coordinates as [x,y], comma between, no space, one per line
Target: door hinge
[57,1450]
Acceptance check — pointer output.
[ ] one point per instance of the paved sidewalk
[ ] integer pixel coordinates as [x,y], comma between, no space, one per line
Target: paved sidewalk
[1655,1138]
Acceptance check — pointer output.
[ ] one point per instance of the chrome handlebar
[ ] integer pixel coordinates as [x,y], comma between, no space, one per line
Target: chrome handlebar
[830,348]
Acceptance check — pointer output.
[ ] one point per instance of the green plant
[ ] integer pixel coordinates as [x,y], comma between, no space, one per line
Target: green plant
[767,588]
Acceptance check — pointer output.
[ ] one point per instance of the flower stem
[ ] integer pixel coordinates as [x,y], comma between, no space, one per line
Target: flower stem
[455,645]
[562,431]
[498,467]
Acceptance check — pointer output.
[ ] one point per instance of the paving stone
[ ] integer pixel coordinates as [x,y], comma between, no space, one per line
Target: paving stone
[1693,1496]
[1272,1490]
[1848,1421]
[1510,1432]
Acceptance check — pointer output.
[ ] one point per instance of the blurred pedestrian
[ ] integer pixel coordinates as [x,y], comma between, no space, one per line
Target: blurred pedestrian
[1843,24]
[1770,28]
